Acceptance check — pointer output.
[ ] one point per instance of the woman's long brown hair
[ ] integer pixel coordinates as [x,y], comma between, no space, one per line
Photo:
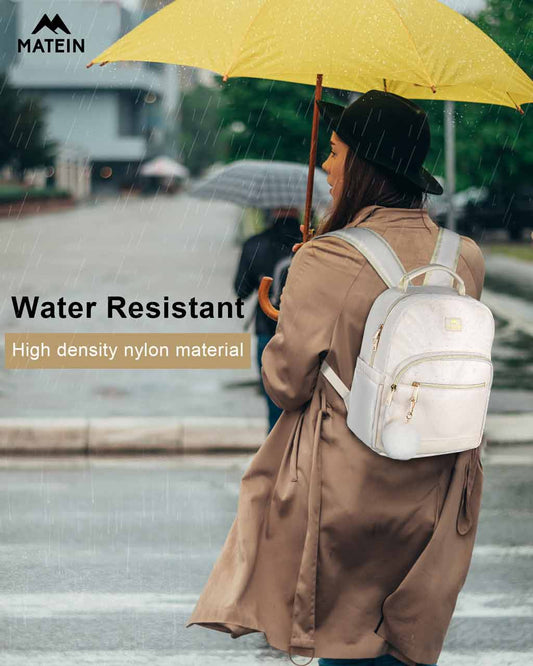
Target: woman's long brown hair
[366,184]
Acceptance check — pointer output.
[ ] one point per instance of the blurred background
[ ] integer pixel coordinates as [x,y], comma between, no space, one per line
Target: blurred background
[104,557]
[88,132]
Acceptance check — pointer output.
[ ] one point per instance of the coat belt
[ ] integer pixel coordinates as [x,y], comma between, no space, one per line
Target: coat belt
[464,515]
[304,608]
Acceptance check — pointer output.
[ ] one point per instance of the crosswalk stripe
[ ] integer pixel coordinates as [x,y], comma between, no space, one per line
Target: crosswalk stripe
[44,605]
[496,551]
[223,657]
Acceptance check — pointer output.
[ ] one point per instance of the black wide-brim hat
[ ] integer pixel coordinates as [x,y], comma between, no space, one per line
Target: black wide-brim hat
[387,130]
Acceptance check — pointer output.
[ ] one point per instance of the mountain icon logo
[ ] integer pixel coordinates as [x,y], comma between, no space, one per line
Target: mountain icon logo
[55,24]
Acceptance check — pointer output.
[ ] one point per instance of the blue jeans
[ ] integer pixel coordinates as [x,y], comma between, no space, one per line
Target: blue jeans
[385,660]
[274,412]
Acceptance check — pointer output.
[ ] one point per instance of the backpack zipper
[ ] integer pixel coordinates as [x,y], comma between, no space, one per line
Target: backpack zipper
[377,335]
[375,343]
[431,357]
[440,386]
[453,386]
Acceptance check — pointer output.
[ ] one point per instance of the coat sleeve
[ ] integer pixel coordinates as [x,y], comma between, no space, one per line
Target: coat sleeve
[319,279]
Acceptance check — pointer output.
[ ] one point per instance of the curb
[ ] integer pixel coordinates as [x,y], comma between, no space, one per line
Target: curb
[189,435]
[130,435]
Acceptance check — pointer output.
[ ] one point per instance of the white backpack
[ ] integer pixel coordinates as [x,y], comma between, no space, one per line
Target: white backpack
[422,380]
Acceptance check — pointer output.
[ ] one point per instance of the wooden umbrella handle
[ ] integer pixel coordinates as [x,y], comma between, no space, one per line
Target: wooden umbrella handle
[264,300]
[264,287]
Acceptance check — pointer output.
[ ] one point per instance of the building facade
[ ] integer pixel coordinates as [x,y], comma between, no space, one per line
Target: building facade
[117,115]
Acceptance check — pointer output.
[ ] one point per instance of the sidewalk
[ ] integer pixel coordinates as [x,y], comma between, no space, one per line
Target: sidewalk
[142,249]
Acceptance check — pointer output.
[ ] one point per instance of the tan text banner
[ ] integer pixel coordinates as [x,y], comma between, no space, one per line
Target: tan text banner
[25,351]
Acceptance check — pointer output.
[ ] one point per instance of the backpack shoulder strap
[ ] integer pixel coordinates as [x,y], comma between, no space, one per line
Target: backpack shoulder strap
[337,383]
[376,249]
[446,252]
[386,264]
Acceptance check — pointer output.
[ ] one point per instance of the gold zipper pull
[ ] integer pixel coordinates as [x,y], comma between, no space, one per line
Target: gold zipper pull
[413,400]
[375,339]
[391,394]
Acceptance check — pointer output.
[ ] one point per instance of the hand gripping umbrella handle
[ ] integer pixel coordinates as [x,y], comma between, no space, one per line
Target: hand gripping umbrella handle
[264,300]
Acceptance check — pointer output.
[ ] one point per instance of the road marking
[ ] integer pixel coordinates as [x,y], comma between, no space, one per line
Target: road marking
[504,457]
[471,605]
[92,603]
[493,551]
[246,657]
[72,603]
[514,429]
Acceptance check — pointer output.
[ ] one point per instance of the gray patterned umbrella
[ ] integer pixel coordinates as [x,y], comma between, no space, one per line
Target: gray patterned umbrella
[263,184]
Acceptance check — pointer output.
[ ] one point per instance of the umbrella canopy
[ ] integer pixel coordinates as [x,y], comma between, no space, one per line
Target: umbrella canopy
[263,184]
[165,167]
[415,48]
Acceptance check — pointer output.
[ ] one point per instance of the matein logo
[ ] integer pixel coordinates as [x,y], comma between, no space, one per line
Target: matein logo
[51,45]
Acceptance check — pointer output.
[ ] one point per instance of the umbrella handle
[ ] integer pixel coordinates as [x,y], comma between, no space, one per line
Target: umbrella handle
[264,300]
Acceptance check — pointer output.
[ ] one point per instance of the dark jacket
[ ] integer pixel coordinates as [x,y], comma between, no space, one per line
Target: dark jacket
[259,257]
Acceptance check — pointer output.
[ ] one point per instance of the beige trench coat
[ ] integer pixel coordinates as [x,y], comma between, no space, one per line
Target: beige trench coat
[336,551]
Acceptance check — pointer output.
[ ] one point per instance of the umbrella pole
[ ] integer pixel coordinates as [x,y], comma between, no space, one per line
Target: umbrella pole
[312,158]
[264,286]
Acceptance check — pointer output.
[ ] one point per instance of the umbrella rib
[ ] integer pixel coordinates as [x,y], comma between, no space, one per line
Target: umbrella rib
[395,9]
[239,48]
[518,107]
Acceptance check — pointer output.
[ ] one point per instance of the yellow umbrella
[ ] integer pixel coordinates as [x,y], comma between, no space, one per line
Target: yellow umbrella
[420,49]
[415,48]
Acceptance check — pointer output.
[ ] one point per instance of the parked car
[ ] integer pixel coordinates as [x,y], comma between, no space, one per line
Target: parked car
[480,209]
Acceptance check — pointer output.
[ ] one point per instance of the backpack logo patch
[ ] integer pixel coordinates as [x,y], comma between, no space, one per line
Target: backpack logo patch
[453,324]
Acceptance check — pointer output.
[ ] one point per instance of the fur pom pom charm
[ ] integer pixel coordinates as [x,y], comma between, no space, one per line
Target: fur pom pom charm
[400,440]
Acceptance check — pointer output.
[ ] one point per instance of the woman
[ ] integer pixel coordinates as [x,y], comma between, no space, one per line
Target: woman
[337,552]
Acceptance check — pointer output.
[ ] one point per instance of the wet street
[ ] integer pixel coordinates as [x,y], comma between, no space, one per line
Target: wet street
[142,249]
[103,559]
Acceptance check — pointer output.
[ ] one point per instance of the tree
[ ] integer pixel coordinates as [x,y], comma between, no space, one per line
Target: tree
[270,120]
[22,142]
[202,139]
[496,142]
[9,106]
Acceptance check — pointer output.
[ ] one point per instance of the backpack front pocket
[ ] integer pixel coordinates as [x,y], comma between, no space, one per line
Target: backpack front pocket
[444,398]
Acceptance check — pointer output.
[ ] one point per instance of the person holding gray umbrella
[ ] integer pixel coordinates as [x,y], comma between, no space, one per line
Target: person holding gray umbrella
[267,253]
[280,187]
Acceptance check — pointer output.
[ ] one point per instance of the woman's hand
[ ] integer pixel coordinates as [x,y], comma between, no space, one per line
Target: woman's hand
[297,246]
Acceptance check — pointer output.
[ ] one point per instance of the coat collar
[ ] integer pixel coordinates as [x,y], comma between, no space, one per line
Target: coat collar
[382,217]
